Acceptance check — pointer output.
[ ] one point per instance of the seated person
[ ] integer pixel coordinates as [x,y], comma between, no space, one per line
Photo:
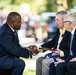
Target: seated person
[60,66]
[58,43]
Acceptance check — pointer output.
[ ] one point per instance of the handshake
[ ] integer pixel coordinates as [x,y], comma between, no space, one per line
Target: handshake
[34,49]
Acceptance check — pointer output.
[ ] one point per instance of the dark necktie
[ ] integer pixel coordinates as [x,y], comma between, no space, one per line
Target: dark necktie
[16,36]
[15,33]
[71,45]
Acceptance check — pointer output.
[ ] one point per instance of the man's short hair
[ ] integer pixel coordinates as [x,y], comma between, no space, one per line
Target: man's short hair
[63,13]
[71,18]
[12,16]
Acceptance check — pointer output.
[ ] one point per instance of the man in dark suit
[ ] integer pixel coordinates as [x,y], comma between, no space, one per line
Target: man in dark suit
[10,49]
[72,66]
[60,67]
[72,63]
[42,63]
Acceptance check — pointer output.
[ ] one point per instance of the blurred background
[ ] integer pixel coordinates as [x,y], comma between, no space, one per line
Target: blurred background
[38,21]
[38,16]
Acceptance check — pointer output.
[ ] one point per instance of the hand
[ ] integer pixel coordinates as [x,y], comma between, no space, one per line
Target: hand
[73,59]
[58,61]
[34,49]
[57,51]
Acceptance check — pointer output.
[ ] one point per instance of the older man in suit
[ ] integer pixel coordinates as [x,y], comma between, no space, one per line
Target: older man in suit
[72,63]
[10,49]
[60,67]
[59,42]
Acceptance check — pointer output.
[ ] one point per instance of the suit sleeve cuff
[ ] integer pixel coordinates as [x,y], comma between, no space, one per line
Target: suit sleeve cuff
[30,53]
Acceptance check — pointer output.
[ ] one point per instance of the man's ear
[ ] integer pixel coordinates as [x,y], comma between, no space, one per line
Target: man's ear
[10,24]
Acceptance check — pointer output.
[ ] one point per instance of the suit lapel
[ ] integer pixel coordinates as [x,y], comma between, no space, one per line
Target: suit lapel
[64,37]
[57,38]
[74,39]
[9,30]
[73,43]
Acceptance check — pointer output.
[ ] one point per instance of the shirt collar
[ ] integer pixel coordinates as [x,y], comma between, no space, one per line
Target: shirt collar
[73,30]
[62,31]
[11,28]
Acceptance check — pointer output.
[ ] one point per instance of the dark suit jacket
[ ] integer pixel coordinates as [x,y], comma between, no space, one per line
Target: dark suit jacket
[63,45]
[10,47]
[73,47]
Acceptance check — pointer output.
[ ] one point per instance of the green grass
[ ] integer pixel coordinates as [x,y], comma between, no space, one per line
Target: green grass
[30,68]
[29,72]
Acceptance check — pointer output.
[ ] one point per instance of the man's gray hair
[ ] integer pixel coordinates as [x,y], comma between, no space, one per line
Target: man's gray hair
[71,18]
[63,13]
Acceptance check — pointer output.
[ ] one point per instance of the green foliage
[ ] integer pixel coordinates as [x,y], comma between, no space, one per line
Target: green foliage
[4,3]
[50,6]
[29,72]
[30,68]
[70,4]
[36,5]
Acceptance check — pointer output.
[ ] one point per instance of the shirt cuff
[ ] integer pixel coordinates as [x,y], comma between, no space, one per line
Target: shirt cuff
[40,49]
[61,54]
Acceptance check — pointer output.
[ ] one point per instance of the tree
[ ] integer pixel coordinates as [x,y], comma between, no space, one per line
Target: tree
[70,4]
[50,6]
[36,5]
